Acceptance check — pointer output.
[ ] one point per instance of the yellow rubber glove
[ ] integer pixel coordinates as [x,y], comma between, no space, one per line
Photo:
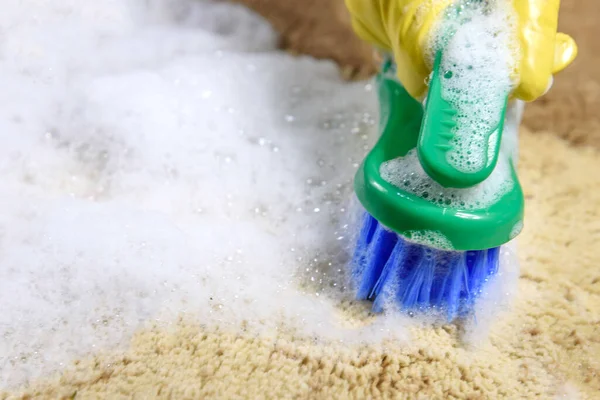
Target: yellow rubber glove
[543,51]
[404,27]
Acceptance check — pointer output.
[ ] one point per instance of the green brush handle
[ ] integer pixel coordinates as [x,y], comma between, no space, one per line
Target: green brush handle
[400,124]
[435,139]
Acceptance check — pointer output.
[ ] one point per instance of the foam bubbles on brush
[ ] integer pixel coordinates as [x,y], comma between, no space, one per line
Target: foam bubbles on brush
[514,232]
[477,65]
[497,297]
[407,174]
[433,239]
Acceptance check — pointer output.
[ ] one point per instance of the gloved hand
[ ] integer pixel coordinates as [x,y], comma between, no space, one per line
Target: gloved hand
[403,28]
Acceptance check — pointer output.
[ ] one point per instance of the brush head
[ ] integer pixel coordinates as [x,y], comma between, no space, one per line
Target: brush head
[421,218]
[394,272]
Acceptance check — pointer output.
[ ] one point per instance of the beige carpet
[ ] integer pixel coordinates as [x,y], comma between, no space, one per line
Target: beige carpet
[548,345]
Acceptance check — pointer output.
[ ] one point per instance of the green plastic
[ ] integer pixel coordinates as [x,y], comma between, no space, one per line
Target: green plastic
[435,139]
[406,213]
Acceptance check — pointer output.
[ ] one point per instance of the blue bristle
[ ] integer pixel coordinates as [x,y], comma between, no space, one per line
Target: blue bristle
[387,268]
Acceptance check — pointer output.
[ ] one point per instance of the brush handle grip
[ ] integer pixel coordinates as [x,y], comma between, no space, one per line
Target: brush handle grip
[437,134]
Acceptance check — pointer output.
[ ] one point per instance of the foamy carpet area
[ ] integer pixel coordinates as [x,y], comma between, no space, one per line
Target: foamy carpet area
[175,193]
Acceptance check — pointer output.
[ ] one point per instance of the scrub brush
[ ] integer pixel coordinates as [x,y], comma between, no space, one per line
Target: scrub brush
[414,252]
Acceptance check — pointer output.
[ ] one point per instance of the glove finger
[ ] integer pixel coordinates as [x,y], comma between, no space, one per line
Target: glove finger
[373,37]
[565,51]
[367,22]
[538,20]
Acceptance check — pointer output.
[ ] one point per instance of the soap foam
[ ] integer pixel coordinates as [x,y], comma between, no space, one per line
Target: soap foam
[476,66]
[496,296]
[164,157]
[407,174]
[434,239]
[161,158]
[514,232]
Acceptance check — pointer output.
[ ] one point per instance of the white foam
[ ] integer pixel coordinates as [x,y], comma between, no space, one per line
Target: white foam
[435,239]
[496,297]
[477,63]
[516,229]
[163,157]
[159,157]
[407,174]
[568,391]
